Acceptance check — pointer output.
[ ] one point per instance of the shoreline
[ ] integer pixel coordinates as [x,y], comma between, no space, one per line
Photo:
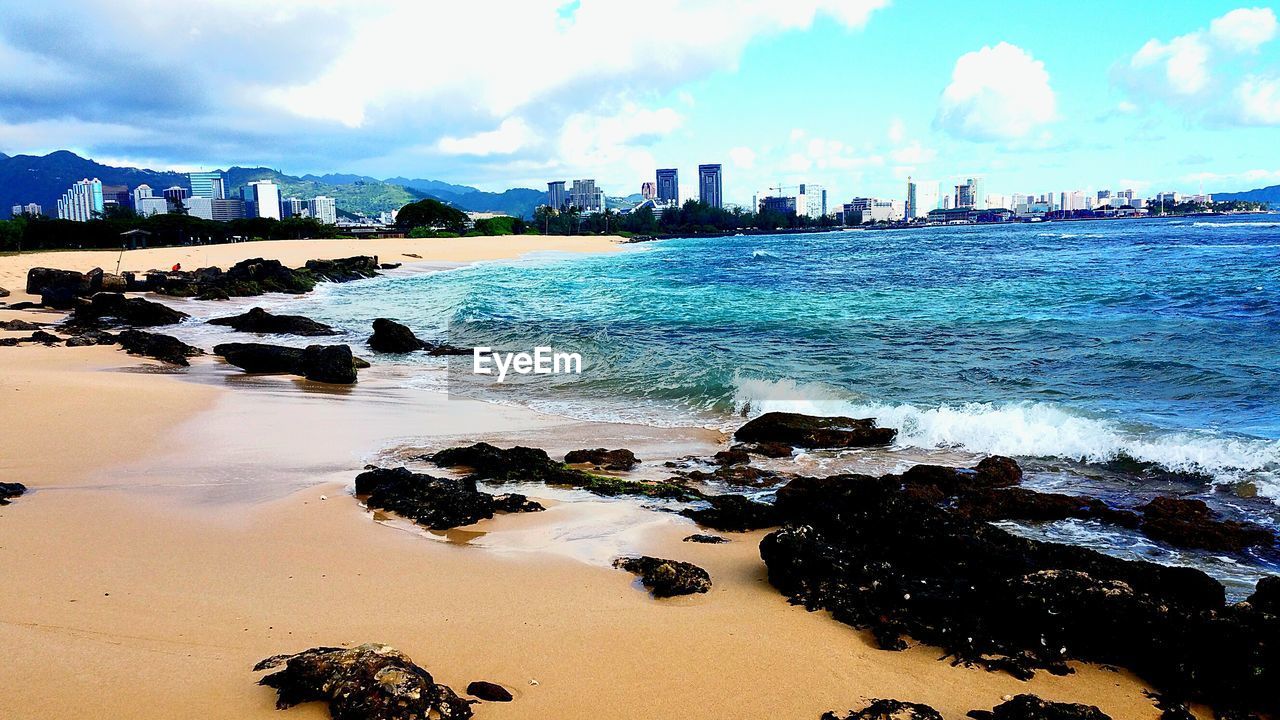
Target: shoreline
[203,545]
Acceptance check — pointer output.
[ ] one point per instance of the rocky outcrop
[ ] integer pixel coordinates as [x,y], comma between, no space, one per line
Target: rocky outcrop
[666,578]
[889,710]
[165,348]
[111,309]
[993,472]
[388,266]
[1190,523]
[1030,707]
[621,459]
[19,325]
[41,280]
[321,363]
[10,490]
[732,456]
[1266,596]
[882,557]
[1033,506]
[260,321]
[437,503]
[706,539]
[344,269]
[39,336]
[808,431]
[369,682]
[489,692]
[4,293]
[250,277]
[734,513]
[390,336]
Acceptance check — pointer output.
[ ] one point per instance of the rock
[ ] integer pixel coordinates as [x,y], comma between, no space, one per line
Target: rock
[767,449]
[621,459]
[390,336]
[810,431]
[1024,504]
[3,293]
[39,336]
[889,710]
[732,456]
[19,325]
[344,269]
[369,682]
[91,336]
[106,308]
[734,513]
[59,298]
[993,472]
[10,490]
[332,364]
[1190,523]
[437,503]
[1266,596]
[1030,707]
[388,266]
[41,280]
[738,475]
[320,363]
[165,348]
[667,578]
[487,691]
[258,320]
[438,350]
[113,283]
[706,539]
[24,305]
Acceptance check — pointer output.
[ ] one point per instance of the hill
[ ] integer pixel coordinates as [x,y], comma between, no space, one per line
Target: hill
[1269,194]
[431,187]
[43,178]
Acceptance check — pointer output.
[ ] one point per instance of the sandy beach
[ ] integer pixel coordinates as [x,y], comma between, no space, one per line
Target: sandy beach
[184,524]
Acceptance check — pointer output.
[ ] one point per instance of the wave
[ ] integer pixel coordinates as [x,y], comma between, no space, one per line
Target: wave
[1263,224]
[1030,429]
[763,255]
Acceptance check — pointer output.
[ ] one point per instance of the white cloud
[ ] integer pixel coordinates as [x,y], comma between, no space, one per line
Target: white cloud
[897,131]
[1244,30]
[512,135]
[1185,61]
[1259,101]
[743,157]
[913,154]
[997,93]
[589,141]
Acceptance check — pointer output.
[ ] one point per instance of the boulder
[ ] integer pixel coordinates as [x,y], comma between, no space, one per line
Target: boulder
[995,471]
[321,363]
[621,459]
[390,336]
[3,293]
[1266,596]
[258,320]
[666,578]
[24,305]
[388,266]
[734,513]
[42,279]
[165,348]
[1030,707]
[92,336]
[332,364]
[19,325]
[489,692]
[344,269]
[810,431]
[706,539]
[1022,504]
[437,503]
[368,682]
[732,456]
[10,490]
[767,449]
[888,710]
[107,308]
[1190,523]
[39,336]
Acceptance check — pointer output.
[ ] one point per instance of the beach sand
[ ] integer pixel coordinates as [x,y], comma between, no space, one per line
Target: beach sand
[184,525]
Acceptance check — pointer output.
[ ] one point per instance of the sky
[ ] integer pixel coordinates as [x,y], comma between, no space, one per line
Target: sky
[854,95]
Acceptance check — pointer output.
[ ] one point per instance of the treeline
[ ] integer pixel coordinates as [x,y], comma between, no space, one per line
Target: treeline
[1190,208]
[691,218]
[40,233]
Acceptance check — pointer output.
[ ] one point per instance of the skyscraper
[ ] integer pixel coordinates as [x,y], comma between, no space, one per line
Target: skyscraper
[922,196]
[82,201]
[262,199]
[710,187]
[555,195]
[324,209]
[669,186]
[811,200]
[207,185]
[584,195]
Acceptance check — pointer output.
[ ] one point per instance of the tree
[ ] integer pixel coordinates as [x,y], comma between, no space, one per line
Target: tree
[432,214]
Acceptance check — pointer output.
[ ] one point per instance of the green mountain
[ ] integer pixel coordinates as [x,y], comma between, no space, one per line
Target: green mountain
[369,197]
[1269,194]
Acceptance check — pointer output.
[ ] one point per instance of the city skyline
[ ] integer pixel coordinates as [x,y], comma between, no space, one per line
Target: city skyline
[1181,98]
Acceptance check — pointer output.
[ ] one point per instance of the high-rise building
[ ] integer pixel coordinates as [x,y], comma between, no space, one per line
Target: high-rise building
[556,198]
[82,201]
[262,199]
[200,207]
[970,194]
[584,195]
[207,185]
[780,204]
[1072,200]
[115,195]
[227,209]
[150,205]
[648,190]
[30,209]
[710,185]
[176,194]
[294,207]
[324,209]
[669,186]
[922,196]
[812,200]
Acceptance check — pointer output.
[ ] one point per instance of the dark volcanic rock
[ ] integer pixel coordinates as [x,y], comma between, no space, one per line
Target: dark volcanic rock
[369,682]
[735,513]
[19,325]
[388,266]
[41,280]
[1030,707]
[258,320]
[161,347]
[489,692]
[667,578]
[1024,504]
[889,710]
[92,336]
[809,431]
[253,276]
[320,363]
[1190,523]
[706,539]
[621,459]
[732,456]
[1266,596]
[344,269]
[4,293]
[10,490]
[106,308]
[767,449]
[880,557]
[438,503]
[992,472]
[24,305]
[390,336]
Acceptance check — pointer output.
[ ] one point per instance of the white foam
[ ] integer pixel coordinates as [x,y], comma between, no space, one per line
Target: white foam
[1234,224]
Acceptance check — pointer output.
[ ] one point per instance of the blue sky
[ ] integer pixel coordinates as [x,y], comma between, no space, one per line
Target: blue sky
[851,94]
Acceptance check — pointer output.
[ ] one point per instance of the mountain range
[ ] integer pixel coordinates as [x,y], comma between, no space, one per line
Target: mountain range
[43,179]
[1269,194]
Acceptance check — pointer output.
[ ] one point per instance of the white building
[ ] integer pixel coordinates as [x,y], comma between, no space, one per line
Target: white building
[31,209]
[922,196]
[870,210]
[1072,200]
[82,201]
[150,205]
[811,200]
[262,199]
[586,197]
[324,209]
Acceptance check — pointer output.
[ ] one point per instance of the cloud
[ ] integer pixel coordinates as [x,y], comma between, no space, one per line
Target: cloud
[998,93]
[912,154]
[743,157]
[1185,61]
[1244,30]
[897,131]
[1259,101]
[512,135]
